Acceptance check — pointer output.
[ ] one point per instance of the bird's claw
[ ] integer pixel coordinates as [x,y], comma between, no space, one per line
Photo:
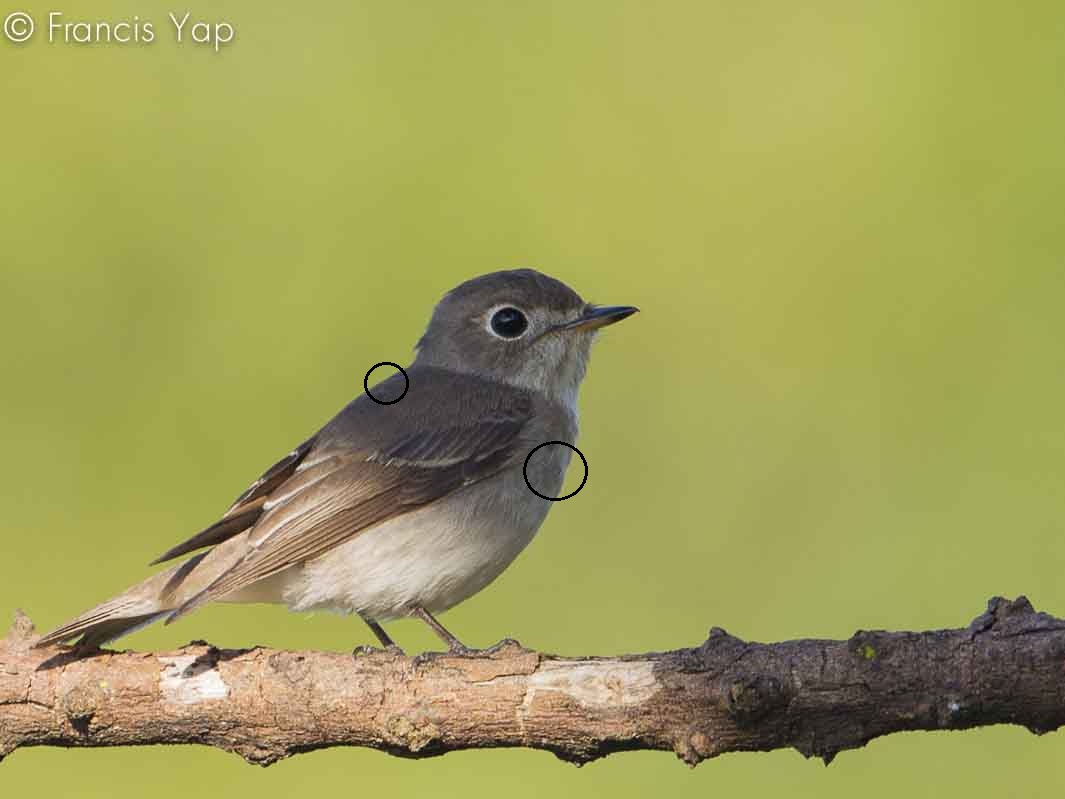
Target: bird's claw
[363,650]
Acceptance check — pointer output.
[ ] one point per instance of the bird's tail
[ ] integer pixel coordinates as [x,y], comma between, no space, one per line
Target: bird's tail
[148,601]
[100,625]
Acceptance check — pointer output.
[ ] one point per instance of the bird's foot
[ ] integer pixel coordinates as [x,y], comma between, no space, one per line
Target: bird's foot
[363,650]
[502,646]
[458,649]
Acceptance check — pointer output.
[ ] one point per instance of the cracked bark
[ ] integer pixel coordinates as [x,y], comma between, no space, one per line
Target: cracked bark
[817,696]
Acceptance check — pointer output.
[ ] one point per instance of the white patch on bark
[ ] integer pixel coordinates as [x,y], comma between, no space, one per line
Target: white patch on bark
[603,684]
[183,685]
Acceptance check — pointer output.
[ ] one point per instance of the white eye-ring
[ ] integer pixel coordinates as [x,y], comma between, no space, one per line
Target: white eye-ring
[507,322]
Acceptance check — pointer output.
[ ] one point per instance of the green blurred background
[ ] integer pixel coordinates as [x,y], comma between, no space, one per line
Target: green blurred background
[840,408]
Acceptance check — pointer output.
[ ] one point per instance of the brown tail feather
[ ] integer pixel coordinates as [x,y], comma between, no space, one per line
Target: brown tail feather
[101,624]
[111,629]
[139,605]
[155,597]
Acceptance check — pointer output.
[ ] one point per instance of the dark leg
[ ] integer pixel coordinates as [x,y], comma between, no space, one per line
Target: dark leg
[454,645]
[382,636]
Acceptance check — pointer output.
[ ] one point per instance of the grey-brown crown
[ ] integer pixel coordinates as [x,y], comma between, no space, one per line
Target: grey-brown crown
[520,286]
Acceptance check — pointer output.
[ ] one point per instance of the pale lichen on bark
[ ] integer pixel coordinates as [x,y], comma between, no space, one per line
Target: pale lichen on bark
[817,696]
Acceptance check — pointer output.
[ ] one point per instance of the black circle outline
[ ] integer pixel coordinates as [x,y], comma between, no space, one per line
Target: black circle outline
[525,471]
[366,383]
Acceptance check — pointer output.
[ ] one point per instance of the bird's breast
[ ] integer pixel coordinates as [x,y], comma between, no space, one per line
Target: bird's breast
[436,556]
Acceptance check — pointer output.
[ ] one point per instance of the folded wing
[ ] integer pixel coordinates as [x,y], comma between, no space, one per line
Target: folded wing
[329,499]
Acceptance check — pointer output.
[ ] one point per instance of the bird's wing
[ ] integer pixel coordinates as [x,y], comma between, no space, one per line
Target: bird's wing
[332,495]
[246,509]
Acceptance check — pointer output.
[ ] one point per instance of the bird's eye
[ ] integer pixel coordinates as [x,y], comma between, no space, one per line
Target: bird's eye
[509,322]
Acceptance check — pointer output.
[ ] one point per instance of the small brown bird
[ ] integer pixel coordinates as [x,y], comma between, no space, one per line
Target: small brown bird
[411,499]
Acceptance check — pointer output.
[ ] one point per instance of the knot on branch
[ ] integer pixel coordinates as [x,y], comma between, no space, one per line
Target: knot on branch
[22,630]
[1007,616]
[750,698]
[81,703]
[720,646]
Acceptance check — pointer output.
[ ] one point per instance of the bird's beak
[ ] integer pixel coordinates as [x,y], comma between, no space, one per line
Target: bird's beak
[596,316]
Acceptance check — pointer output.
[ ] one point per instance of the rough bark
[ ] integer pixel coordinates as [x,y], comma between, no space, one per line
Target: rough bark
[817,696]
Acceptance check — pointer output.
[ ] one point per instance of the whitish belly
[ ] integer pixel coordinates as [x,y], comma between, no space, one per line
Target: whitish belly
[433,558]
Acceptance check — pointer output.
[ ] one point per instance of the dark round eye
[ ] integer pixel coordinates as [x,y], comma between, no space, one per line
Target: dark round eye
[509,322]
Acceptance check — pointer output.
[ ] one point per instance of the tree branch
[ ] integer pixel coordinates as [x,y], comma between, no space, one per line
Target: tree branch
[819,697]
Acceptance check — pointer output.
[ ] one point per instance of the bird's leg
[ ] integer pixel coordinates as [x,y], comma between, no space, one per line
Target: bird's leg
[454,645]
[382,636]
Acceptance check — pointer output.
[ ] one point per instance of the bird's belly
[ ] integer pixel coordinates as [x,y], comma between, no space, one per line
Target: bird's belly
[433,557]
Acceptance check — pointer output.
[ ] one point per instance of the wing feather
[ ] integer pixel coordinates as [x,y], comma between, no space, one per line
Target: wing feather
[246,509]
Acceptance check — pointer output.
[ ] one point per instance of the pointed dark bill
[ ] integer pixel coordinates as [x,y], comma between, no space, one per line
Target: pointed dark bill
[596,316]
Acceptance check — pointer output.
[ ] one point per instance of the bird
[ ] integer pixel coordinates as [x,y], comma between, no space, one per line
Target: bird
[417,494]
